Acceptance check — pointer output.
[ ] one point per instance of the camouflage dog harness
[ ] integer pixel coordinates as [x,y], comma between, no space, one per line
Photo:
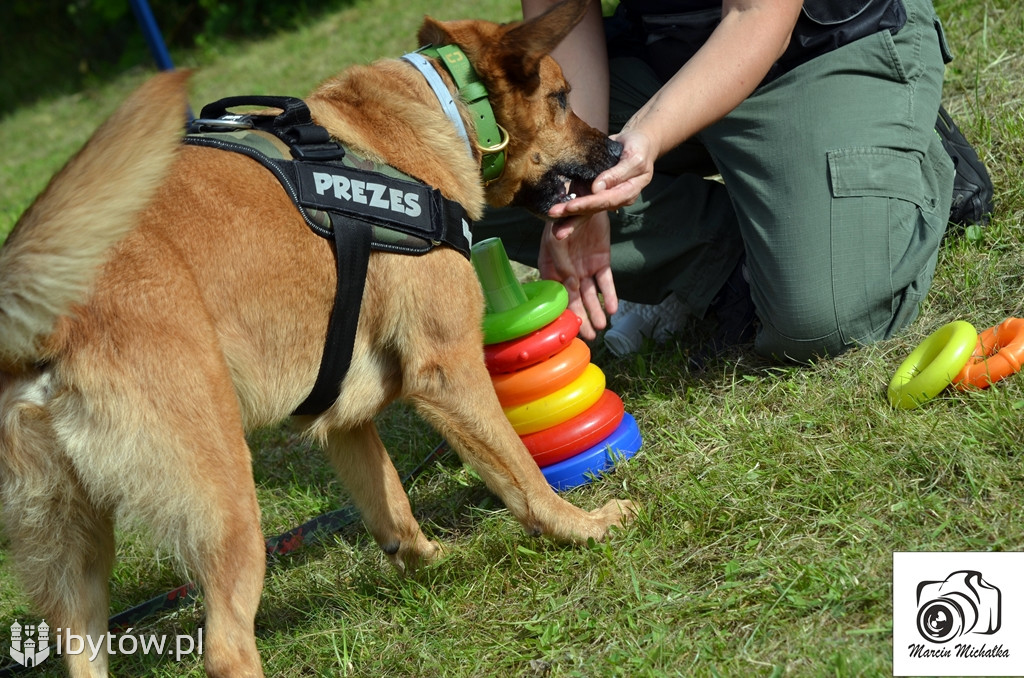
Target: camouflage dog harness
[357,204]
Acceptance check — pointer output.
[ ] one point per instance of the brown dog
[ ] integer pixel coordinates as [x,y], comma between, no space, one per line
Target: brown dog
[158,300]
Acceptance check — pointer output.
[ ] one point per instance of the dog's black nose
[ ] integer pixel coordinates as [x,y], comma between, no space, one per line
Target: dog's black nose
[614,148]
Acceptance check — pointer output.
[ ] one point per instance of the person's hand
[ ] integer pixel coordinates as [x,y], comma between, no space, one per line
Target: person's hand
[615,187]
[581,260]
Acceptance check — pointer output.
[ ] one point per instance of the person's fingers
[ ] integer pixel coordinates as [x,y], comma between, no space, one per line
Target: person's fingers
[606,285]
[562,228]
[592,304]
[609,199]
[587,331]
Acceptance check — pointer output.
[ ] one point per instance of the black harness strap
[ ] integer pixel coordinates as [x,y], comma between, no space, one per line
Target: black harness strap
[352,254]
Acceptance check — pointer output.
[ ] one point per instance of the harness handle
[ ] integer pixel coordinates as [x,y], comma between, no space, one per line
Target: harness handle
[294,110]
[294,125]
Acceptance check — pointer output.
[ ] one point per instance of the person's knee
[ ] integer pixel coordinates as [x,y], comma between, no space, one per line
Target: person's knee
[798,325]
[795,341]
[814,328]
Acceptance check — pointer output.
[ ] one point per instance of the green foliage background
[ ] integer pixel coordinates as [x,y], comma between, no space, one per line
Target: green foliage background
[50,47]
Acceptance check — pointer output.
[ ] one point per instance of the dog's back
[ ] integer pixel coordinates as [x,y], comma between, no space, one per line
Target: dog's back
[52,256]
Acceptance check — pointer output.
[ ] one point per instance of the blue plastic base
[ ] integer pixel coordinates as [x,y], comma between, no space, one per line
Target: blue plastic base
[622,444]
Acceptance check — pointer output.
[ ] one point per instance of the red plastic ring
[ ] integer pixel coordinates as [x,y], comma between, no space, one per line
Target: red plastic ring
[515,354]
[543,378]
[998,354]
[582,432]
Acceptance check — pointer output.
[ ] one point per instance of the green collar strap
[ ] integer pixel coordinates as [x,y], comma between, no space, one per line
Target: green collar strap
[491,137]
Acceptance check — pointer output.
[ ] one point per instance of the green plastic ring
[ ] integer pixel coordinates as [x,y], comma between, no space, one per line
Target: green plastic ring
[932,366]
[545,301]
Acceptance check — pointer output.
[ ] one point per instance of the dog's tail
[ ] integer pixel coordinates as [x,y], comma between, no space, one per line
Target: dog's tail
[56,249]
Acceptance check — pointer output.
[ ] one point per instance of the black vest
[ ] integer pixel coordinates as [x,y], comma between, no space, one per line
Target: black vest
[666,33]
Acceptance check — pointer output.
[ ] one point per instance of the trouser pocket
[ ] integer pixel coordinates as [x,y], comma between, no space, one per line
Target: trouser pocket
[885,233]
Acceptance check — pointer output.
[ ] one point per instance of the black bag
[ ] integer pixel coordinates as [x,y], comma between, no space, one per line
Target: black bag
[972,186]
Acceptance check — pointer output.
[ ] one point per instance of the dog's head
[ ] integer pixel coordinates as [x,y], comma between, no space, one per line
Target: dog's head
[551,153]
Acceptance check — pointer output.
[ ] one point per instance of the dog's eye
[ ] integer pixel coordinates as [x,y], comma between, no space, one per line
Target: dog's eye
[561,97]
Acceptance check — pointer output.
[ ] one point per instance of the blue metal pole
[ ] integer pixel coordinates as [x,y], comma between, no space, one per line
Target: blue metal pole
[155,40]
[151,32]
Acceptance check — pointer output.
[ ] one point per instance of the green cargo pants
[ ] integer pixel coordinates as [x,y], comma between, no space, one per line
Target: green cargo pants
[836,188]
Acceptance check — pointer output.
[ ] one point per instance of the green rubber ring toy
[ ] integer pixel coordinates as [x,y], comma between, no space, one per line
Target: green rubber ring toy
[932,366]
[545,301]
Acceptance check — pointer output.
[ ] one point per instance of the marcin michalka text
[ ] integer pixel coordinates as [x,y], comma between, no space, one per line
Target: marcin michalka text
[962,651]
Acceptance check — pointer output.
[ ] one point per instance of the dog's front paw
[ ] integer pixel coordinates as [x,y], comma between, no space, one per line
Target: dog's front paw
[616,513]
[410,557]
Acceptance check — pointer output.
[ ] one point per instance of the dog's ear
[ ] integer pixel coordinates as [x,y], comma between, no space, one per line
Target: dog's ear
[516,48]
[525,44]
[433,32]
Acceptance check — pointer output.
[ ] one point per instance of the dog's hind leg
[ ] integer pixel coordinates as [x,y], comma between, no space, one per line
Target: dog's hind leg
[364,467]
[231,563]
[62,543]
[200,499]
[214,519]
[167,449]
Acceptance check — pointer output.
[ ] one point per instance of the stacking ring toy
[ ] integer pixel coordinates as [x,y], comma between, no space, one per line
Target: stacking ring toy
[515,354]
[575,435]
[563,404]
[545,377]
[998,354]
[545,301]
[932,365]
[574,471]
[513,309]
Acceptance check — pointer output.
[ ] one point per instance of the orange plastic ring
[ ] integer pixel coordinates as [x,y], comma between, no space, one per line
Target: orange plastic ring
[998,354]
[547,376]
[515,354]
[580,433]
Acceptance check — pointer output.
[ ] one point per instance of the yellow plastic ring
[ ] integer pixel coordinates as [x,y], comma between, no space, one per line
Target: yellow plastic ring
[932,366]
[560,406]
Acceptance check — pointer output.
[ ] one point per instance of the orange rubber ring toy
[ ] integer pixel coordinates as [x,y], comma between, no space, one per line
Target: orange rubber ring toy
[547,376]
[578,434]
[515,354]
[562,405]
[998,354]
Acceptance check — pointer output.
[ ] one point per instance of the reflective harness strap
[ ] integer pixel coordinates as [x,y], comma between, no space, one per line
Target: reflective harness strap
[356,209]
[444,97]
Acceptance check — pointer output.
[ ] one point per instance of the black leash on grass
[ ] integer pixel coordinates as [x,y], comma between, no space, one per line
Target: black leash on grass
[310,532]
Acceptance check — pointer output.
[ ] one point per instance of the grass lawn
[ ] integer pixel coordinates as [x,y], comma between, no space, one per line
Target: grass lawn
[773,496]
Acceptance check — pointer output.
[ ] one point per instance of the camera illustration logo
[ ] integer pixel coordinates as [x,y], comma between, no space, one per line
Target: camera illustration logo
[962,603]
